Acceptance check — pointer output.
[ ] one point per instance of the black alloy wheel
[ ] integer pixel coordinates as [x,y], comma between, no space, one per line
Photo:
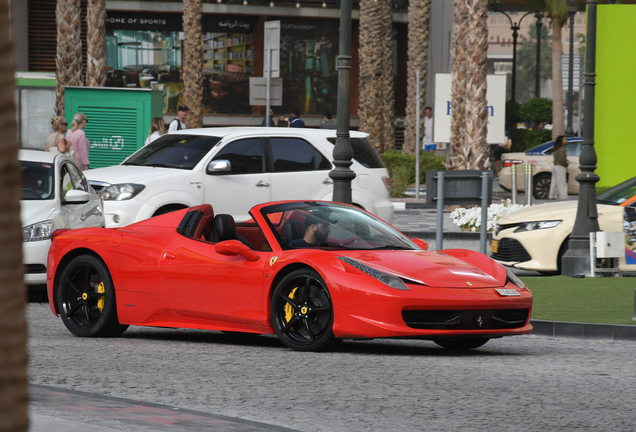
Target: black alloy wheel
[86,299]
[302,313]
[541,186]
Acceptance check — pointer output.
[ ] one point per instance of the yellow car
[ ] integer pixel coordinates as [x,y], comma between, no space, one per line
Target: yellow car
[536,237]
[541,168]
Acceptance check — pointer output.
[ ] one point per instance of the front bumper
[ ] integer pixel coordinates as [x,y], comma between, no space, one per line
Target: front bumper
[34,256]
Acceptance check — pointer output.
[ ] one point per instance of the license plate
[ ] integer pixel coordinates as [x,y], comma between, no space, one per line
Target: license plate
[494,246]
[508,292]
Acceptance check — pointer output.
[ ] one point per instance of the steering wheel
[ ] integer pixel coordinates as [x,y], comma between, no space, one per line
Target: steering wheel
[29,194]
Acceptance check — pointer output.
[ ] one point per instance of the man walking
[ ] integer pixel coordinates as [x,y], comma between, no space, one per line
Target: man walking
[295,121]
[179,122]
[327,123]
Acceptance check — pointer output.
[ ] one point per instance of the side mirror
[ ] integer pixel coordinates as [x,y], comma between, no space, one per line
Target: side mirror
[75,196]
[219,166]
[234,248]
[421,243]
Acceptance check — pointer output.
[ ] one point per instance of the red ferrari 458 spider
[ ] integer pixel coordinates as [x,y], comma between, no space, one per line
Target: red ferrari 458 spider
[310,272]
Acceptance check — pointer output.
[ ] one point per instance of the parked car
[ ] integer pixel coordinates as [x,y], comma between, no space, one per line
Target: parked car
[234,169]
[536,237]
[541,159]
[309,272]
[55,194]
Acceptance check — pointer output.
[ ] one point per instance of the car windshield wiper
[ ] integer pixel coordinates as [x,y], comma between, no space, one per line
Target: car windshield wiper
[159,165]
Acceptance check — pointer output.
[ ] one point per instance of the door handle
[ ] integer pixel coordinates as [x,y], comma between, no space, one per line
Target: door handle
[262,184]
[169,255]
[328,181]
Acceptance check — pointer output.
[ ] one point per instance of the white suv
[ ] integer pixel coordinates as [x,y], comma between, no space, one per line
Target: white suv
[234,169]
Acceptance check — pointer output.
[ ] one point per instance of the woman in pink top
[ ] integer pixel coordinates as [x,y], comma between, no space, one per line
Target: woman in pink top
[80,143]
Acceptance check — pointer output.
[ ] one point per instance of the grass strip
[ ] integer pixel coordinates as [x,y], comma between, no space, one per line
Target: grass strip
[606,300]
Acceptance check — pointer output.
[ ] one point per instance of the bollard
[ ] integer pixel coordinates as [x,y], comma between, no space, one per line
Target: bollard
[527,168]
[513,173]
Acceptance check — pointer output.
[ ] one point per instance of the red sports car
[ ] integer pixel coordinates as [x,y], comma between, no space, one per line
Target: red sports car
[310,272]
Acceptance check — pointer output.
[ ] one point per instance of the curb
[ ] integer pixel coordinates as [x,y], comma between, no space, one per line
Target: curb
[574,330]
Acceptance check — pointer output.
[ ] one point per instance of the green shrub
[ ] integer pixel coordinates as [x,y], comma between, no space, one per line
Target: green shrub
[536,110]
[401,169]
[523,139]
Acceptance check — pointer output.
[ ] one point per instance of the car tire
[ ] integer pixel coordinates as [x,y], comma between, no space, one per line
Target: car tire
[86,298]
[541,186]
[461,344]
[302,312]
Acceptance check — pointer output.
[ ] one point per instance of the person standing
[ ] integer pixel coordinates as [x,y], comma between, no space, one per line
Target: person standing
[327,123]
[179,122]
[157,128]
[56,141]
[295,121]
[558,184]
[78,138]
[271,119]
[427,141]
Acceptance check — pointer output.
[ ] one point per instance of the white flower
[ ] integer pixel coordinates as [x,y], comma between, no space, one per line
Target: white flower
[470,218]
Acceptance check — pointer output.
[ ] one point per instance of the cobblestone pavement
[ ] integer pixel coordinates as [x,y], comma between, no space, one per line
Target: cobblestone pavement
[188,380]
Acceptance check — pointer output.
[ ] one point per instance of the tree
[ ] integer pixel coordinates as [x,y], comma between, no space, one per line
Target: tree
[527,62]
[14,399]
[558,16]
[96,43]
[193,62]
[419,20]
[68,61]
[377,92]
[470,150]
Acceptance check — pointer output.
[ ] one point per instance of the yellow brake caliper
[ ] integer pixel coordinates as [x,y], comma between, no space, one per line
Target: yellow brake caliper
[289,309]
[101,299]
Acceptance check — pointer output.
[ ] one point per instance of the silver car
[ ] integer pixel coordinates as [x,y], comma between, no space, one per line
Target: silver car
[55,195]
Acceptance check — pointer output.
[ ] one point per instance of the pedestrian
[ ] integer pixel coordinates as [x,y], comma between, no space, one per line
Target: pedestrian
[427,141]
[499,149]
[179,122]
[271,119]
[558,184]
[295,121]
[283,121]
[56,142]
[80,143]
[327,123]
[157,128]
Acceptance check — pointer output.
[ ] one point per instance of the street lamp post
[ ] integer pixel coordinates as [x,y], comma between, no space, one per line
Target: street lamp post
[569,130]
[537,84]
[514,26]
[342,174]
[576,260]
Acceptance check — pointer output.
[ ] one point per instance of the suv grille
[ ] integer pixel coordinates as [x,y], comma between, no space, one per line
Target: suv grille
[466,319]
[511,250]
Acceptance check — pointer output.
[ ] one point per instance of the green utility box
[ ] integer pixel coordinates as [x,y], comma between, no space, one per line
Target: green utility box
[118,119]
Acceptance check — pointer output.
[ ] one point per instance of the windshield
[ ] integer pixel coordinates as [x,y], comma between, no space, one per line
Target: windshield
[619,193]
[37,181]
[174,151]
[332,226]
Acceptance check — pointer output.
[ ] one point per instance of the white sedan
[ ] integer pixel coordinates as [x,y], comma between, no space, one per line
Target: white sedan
[536,237]
[55,194]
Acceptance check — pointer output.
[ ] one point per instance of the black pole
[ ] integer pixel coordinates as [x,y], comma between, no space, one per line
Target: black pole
[576,260]
[537,84]
[569,130]
[342,175]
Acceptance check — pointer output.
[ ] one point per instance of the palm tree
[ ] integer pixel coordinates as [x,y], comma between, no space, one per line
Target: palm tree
[69,49]
[13,334]
[377,92]
[419,20]
[193,61]
[469,117]
[96,43]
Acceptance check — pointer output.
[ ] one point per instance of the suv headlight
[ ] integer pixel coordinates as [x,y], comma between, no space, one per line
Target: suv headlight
[121,192]
[38,231]
[532,226]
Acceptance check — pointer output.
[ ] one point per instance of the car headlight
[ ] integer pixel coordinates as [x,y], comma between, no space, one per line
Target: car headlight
[37,231]
[386,278]
[532,226]
[511,277]
[121,192]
